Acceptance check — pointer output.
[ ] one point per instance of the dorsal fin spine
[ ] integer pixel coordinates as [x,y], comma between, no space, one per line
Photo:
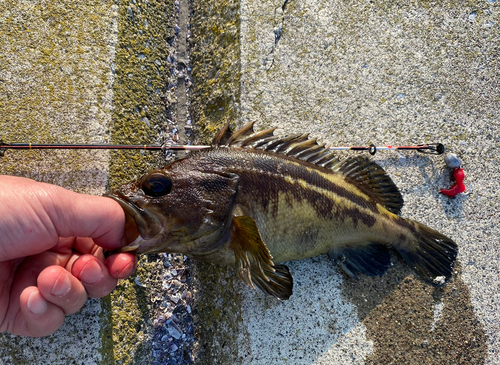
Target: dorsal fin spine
[241,133]
[262,144]
[310,152]
[263,135]
[286,147]
[299,147]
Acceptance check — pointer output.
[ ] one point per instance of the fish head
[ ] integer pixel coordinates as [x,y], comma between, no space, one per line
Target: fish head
[177,209]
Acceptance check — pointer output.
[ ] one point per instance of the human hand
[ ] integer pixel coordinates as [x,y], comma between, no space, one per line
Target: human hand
[51,253]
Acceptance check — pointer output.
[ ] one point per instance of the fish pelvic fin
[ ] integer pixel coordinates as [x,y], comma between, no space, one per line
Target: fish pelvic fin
[370,258]
[431,254]
[253,260]
[279,283]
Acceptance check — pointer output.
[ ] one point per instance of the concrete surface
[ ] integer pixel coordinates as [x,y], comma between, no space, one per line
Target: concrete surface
[348,73]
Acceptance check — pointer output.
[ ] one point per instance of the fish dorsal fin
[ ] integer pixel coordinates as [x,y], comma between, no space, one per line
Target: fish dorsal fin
[370,178]
[295,145]
[222,137]
[241,134]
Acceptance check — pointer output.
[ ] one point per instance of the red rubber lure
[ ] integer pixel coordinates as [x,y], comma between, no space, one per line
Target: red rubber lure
[458,187]
[458,173]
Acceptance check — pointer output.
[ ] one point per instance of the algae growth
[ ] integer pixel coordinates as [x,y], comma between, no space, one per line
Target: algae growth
[215,55]
[145,30]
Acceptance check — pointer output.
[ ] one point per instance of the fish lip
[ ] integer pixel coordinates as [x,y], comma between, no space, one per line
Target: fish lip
[147,223]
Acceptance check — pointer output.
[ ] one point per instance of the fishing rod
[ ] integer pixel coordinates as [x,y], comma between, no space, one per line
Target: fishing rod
[61,146]
[433,148]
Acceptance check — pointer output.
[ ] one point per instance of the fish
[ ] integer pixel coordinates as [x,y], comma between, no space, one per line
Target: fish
[256,200]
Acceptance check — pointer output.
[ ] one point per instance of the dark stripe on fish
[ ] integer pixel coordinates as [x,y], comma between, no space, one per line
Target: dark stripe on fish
[262,164]
[264,177]
[406,224]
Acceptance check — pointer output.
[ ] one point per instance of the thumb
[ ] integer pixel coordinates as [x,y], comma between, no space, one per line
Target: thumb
[34,215]
[99,218]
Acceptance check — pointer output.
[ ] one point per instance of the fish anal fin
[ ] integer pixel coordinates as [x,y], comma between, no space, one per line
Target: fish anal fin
[370,258]
[278,283]
[370,178]
[253,258]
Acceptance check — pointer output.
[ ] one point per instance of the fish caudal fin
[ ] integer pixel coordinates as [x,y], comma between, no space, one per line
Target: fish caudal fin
[431,254]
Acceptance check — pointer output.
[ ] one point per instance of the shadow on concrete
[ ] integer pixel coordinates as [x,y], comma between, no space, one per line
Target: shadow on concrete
[411,322]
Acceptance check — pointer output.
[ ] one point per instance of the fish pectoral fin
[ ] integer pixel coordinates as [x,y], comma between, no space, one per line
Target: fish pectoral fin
[253,259]
[249,249]
[278,283]
[370,258]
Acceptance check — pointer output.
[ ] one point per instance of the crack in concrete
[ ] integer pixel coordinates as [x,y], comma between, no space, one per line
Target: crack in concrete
[180,125]
[278,32]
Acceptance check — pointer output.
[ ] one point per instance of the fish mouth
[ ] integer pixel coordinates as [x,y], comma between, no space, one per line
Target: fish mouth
[140,224]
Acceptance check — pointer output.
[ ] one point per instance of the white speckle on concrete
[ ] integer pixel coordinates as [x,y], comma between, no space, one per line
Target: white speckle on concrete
[438,313]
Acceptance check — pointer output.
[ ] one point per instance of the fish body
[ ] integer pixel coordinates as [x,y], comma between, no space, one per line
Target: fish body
[255,200]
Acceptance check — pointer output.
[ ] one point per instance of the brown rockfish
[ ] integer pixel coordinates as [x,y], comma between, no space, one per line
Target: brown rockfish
[254,199]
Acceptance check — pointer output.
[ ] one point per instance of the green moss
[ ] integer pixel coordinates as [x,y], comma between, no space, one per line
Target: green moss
[218,314]
[215,55]
[106,334]
[144,31]
[215,101]
[130,316]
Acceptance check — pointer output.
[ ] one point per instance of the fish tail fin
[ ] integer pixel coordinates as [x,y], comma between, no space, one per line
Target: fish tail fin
[431,254]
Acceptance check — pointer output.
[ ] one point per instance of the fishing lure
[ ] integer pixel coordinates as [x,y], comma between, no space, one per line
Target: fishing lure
[458,188]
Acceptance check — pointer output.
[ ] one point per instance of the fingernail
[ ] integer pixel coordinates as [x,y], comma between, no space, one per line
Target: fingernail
[62,285]
[36,303]
[91,272]
[126,271]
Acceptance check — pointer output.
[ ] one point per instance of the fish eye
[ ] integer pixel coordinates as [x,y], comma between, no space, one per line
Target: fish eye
[156,184]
